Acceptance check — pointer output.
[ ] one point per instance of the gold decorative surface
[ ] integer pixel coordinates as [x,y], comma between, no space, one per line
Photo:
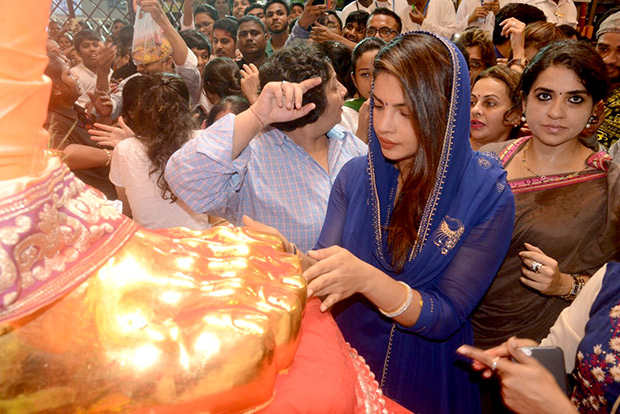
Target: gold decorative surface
[176,321]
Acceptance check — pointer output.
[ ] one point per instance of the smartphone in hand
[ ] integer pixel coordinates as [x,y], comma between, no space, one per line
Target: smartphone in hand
[552,358]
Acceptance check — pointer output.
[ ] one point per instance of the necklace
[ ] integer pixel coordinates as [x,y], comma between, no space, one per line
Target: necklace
[544,178]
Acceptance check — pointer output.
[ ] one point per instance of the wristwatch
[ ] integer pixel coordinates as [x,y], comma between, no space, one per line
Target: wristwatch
[578,284]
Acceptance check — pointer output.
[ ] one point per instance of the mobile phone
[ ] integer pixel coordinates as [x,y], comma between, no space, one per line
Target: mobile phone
[552,358]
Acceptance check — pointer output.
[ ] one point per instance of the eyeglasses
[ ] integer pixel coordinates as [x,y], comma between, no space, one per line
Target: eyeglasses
[203,25]
[384,32]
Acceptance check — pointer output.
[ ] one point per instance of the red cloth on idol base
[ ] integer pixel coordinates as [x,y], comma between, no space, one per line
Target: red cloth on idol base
[327,375]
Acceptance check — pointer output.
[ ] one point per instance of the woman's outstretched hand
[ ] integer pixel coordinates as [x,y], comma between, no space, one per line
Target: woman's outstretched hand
[337,275]
[282,101]
[109,136]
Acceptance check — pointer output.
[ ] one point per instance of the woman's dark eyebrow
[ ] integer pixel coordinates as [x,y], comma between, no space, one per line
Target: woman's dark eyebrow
[398,105]
[549,91]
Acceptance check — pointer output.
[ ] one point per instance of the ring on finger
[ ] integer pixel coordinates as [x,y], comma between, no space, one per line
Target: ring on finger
[536,266]
[494,364]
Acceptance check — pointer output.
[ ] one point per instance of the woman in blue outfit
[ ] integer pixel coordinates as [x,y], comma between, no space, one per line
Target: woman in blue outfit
[415,231]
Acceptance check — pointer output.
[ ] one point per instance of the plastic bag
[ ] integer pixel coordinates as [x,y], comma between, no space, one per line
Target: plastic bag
[149,42]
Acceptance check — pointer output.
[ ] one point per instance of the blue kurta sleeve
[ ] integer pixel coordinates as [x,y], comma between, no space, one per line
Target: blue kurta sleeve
[335,217]
[448,304]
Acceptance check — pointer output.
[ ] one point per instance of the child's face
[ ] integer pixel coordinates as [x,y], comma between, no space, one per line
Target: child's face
[362,77]
[203,57]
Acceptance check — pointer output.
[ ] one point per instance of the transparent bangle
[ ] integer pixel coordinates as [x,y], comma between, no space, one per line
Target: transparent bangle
[403,306]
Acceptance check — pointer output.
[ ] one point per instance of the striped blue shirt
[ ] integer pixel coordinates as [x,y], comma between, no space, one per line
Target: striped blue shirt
[273,180]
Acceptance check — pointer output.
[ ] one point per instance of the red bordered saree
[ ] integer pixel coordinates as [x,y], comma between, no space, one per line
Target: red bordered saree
[574,219]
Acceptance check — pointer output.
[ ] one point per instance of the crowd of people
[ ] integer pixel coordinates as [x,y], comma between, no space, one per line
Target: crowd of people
[445,188]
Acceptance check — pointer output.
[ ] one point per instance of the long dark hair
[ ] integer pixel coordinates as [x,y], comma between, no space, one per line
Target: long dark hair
[422,65]
[222,77]
[163,122]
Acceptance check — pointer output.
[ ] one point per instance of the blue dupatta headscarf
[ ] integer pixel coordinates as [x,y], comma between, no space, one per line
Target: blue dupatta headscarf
[463,237]
[467,185]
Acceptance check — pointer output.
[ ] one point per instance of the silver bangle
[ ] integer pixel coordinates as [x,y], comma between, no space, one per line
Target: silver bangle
[403,307]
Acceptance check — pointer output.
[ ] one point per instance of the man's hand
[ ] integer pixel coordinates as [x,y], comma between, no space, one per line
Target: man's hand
[282,101]
[154,9]
[102,103]
[478,13]
[310,14]
[320,33]
[416,16]
[105,57]
[250,82]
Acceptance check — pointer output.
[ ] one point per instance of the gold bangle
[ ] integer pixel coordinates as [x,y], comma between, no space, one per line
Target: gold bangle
[217,223]
[403,306]
[109,154]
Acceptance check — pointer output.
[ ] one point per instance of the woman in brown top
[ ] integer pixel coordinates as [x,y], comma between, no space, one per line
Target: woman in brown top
[567,201]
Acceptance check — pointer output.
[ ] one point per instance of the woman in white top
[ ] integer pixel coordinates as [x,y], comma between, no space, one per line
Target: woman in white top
[162,123]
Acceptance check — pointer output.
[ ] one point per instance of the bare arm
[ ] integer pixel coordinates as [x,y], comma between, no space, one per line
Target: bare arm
[188,13]
[79,157]
[179,48]
[105,57]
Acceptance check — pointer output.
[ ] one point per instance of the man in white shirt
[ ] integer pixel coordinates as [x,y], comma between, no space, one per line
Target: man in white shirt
[436,16]
[556,11]
[87,44]
[476,13]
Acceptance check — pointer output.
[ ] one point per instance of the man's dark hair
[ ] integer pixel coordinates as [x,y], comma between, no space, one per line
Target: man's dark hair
[298,3]
[229,25]
[119,21]
[207,8]
[252,19]
[83,35]
[386,12]
[523,12]
[196,40]
[125,37]
[252,7]
[570,31]
[296,63]
[358,16]
[282,2]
